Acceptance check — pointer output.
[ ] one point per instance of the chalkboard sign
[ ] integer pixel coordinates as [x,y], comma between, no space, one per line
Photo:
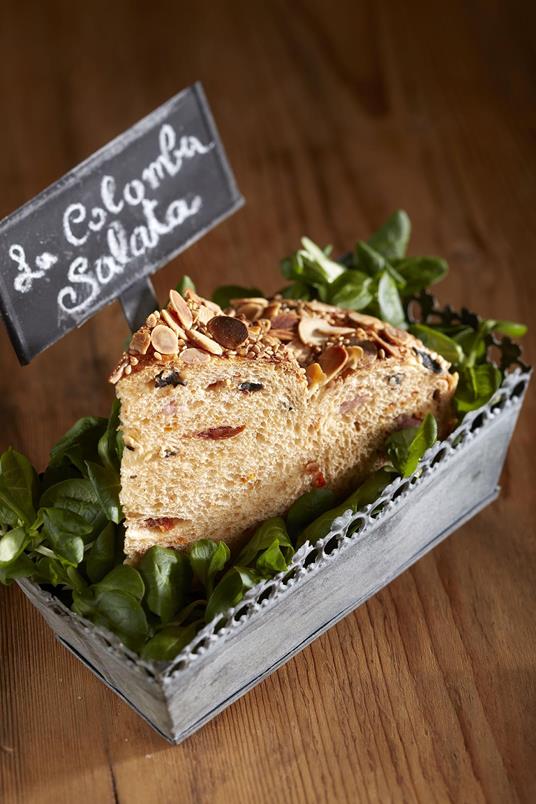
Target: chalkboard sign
[101,230]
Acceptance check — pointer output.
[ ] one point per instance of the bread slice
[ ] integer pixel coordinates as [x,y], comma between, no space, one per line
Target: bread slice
[228,418]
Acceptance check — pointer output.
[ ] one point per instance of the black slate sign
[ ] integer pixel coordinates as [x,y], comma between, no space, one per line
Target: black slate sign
[101,230]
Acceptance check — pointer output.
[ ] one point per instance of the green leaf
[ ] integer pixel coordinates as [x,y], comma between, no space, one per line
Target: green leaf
[230,591]
[107,445]
[122,579]
[421,272]
[51,570]
[272,560]
[476,386]
[23,567]
[374,264]
[168,643]
[118,611]
[207,559]
[510,328]
[79,442]
[366,493]
[101,556]
[76,495]
[69,548]
[438,342]
[167,575]
[271,532]
[406,447]
[184,283]
[75,580]
[12,544]
[391,240]
[71,523]
[56,474]
[317,266]
[351,290]
[308,507]
[106,485]
[389,303]
[225,293]
[298,290]
[18,489]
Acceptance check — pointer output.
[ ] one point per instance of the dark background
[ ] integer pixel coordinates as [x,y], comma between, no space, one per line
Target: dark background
[333,114]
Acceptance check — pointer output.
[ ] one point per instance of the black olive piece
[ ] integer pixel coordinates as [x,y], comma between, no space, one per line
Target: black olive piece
[250,387]
[429,362]
[168,377]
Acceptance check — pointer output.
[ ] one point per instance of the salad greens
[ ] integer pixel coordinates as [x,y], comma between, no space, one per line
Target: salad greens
[64,528]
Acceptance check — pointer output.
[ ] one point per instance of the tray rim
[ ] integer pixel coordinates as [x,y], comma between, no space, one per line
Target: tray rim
[161,674]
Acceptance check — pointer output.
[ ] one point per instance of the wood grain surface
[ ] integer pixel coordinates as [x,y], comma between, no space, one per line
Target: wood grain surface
[333,114]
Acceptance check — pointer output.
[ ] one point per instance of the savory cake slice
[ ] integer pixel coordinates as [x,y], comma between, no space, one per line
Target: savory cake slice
[228,417]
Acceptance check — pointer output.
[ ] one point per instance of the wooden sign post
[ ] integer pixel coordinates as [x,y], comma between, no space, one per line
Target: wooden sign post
[100,231]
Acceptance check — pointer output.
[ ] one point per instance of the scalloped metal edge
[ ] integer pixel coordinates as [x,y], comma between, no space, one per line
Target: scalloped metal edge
[394,494]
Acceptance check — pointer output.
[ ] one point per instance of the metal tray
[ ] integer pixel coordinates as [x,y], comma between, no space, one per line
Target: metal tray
[362,553]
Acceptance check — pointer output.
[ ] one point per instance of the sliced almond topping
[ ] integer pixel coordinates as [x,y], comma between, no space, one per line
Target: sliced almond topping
[314,331]
[164,340]
[333,360]
[191,295]
[170,321]
[204,342]
[117,373]
[321,307]
[139,343]
[315,376]
[204,314]
[285,321]
[228,332]
[272,310]
[284,335]
[193,355]
[251,300]
[355,355]
[250,310]
[365,320]
[181,308]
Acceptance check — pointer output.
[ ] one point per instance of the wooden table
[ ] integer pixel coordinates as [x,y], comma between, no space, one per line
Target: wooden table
[333,115]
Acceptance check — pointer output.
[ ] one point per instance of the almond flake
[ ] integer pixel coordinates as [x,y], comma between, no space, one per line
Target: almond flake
[284,335]
[250,300]
[272,310]
[193,355]
[117,373]
[139,343]
[227,331]
[333,360]
[164,340]
[204,342]
[315,376]
[355,355]
[250,310]
[181,308]
[170,321]
[366,320]
[315,331]
[204,314]
[285,321]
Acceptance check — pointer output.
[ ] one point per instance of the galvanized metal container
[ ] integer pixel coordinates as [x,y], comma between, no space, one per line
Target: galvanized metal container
[362,553]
